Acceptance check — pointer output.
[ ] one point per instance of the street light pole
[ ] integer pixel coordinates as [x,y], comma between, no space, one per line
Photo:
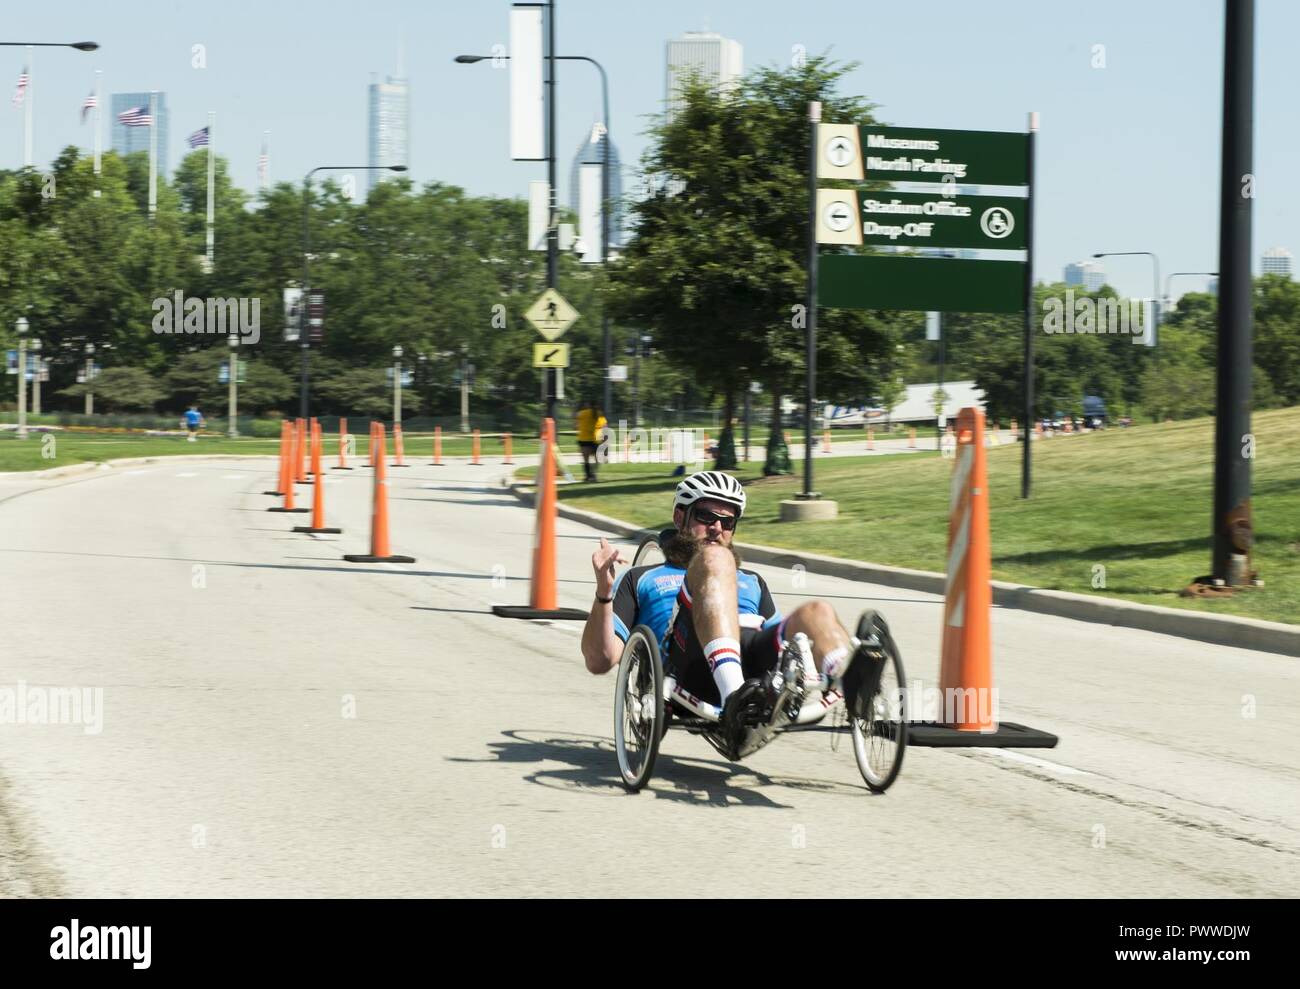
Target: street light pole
[1155,302]
[304,343]
[1178,274]
[21,326]
[36,378]
[552,228]
[397,386]
[233,340]
[90,376]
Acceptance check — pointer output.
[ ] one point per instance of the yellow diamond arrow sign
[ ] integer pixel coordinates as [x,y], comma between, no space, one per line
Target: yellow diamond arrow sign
[551,314]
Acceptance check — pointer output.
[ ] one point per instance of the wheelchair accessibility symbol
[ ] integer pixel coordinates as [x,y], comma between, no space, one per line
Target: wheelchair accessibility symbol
[997,222]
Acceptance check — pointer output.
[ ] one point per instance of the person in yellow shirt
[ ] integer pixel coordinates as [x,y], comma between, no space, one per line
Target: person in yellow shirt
[591,425]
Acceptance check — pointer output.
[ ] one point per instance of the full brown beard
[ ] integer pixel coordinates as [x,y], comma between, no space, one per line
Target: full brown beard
[680,548]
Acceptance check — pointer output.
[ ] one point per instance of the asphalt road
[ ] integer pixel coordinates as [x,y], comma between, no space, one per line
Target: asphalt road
[277,722]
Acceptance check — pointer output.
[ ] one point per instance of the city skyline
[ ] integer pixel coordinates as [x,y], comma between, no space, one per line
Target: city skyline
[719,61]
[1146,95]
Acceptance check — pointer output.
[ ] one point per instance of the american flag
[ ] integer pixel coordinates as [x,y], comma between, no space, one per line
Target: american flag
[89,104]
[199,139]
[137,116]
[20,93]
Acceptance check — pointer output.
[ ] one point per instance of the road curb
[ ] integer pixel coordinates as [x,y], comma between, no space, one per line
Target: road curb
[1220,630]
[100,465]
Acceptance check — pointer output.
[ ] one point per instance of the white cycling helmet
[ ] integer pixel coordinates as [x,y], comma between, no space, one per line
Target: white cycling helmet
[711,484]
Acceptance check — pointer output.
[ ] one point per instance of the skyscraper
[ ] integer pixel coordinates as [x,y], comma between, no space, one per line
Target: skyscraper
[1089,274]
[390,124]
[590,153]
[718,60]
[128,139]
[1277,261]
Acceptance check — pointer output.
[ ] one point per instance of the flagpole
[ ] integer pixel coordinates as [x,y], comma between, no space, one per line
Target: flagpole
[212,234]
[98,139]
[27,112]
[153,154]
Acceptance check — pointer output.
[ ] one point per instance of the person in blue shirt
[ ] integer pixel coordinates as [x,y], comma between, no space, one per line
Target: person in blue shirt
[193,421]
[718,628]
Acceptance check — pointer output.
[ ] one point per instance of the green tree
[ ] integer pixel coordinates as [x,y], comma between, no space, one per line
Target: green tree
[717,270]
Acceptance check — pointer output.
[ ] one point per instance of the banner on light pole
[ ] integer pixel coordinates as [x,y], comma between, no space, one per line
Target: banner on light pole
[589,211]
[527,92]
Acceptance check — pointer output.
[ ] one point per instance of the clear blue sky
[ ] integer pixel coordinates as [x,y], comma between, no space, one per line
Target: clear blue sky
[1128,154]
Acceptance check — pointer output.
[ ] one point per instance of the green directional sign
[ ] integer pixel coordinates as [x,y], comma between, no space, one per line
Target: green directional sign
[917,219]
[914,154]
[894,281]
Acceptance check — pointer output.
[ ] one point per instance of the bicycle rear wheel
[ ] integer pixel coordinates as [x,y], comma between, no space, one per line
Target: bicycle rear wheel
[879,723]
[639,708]
[649,553]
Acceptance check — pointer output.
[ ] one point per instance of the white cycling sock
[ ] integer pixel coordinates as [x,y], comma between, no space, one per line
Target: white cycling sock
[835,662]
[723,657]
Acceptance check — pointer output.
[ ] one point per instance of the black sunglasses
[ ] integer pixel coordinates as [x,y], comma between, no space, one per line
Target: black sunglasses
[706,517]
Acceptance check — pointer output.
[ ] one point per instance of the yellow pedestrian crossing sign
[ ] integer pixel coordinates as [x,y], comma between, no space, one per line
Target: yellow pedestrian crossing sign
[551,314]
[550,355]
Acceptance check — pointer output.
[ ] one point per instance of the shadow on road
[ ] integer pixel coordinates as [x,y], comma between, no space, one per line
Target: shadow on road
[589,765]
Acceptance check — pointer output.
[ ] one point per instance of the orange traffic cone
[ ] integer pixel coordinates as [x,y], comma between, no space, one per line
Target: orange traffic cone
[284,461]
[542,588]
[826,441]
[398,460]
[911,437]
[968,597]
[871,438]
[507,460]
[969,704]
[344,439]
[474,461]
[379,552]
[313,437]
[287,478]
[437,447]
[318,495]
[300,451]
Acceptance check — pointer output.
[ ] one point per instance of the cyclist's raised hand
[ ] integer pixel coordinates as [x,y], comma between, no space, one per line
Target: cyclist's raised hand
[603,562]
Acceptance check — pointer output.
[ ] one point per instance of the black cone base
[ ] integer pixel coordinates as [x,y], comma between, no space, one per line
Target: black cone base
[279,509]
[1008,736]
[307,528]
[342,468]
[524,611]
[357,558]
[278,494]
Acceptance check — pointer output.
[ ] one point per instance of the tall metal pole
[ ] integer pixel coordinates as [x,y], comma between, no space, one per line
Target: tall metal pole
[153,154]
[810,382]
[99,98]
[552,229]
[212,183]
[604,236]
[306,289]
[1026,461]
[1232,526]
[22,387]
[233,398]
[27,110]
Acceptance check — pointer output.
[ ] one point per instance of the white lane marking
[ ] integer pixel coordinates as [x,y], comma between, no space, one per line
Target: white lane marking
[188,473]
[1040,763]
[132,473]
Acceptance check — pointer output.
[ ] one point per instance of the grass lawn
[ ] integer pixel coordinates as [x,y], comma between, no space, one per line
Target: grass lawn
[74,448]
[1135,502]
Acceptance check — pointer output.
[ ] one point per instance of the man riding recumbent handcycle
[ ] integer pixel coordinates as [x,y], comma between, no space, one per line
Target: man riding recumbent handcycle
[699,643]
